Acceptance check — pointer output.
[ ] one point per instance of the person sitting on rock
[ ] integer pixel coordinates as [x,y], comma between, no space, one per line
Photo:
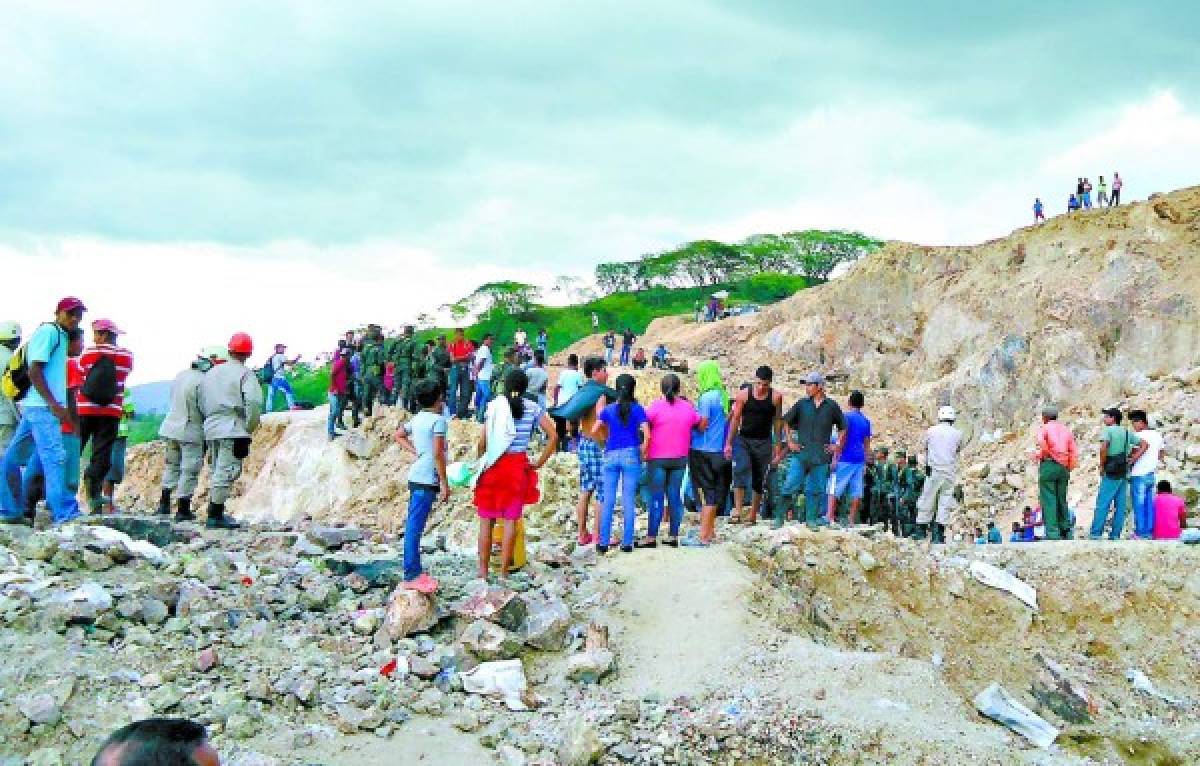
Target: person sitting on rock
[1017,535]
[161,741]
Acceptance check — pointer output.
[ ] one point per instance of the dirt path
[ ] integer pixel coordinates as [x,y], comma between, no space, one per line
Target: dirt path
[420,741]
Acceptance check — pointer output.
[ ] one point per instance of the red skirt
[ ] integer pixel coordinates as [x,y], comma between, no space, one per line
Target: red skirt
[504,490]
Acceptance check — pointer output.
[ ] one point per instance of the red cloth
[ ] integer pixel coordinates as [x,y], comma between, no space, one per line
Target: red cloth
[337,376]
[123,361]
[461,350]
[504,490]
[74,381]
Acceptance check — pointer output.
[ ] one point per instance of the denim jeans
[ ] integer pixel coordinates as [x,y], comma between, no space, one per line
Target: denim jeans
[666,483]
[608,355]
[33,470]
[483,395]
[625,351]
[38,431]
[337,403]
[1141,495]
[623,467]
[1112,491]
[420,502]
[813,479]
[280,383]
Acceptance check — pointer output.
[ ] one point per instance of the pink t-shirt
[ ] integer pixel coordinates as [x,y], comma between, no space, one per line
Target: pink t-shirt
[671,428]
[1168,516]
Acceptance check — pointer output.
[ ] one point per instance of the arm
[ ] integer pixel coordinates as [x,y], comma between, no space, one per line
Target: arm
[401,437]
[735,422]
[439,462]
[252,398]
[551,430]
[481,447]
[596,431]
[1138,451]
[839,420]
[1103,456]
[644,429]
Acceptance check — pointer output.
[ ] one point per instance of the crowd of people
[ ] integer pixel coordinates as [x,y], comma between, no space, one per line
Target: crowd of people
[1081,198]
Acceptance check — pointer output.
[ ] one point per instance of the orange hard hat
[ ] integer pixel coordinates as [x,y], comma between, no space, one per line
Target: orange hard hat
[241,343]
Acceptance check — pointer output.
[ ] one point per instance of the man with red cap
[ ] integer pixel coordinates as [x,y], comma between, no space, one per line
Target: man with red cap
[44,411]
[231,400]
[105,367]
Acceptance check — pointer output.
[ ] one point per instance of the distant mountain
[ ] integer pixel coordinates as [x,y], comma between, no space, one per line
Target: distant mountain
[152,397]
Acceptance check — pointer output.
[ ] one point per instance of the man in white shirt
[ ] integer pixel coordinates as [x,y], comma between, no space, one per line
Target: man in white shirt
[942,444]
[1141,475]
[483,375]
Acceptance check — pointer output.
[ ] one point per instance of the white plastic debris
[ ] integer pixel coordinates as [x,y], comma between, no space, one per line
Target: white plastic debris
[995,703]
[1142,683]
[142,548]
[996,577]
[503,678]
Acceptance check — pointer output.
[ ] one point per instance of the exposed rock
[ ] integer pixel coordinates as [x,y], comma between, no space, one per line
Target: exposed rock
[408,612]
[581,744]
[499,605]
[333,538]
[546,622]
[486,641]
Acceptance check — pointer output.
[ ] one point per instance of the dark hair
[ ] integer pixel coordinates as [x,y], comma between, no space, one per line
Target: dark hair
[765,373]
[856,399]
[514,390]
[991,524]
[488,335]
[670,386]
[1138,416]
[74,334]
[625,401]
[572,360]
[592,364]
[427,392]
[1164,485]
[539,356]
[156,742]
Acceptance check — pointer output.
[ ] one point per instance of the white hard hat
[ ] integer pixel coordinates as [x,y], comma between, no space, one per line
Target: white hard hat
[946,412]
[9,330]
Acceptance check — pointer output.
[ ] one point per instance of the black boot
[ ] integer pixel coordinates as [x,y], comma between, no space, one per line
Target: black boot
[183,509]
[217,519]
[164,502]
[939,533]
[922,532]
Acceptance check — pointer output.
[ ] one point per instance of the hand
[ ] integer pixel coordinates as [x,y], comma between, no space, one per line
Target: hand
[729,452]
[831,449]
[777,455]
[62,413]
[793,445]
[398,436]
[444,494]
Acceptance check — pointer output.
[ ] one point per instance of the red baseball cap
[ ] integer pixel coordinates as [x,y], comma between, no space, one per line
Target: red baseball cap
[71,304]
[106,325]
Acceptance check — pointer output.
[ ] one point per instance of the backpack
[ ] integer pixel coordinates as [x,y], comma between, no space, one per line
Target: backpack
[1116,465]
[267,371]
[15,382]
[100,384]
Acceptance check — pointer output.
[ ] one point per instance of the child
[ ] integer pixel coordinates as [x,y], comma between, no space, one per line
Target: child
[993,534]
[1170,514]
[424,436]
[1016,536]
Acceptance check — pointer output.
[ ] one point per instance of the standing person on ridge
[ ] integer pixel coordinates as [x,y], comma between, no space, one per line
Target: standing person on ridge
[34,481]
[116,466]
[423,435]
[1141,475]
[182,432]
[459,393]
[627,339]
[277,368]
[10,341]
[623,428]
[939,497]
[231,401]
[1117,183]
[373,358]
[1056,455]
[755,420]
[711,471]
[1120,448]
[849,466]
[1038,207]
[105,367]
[339,387]
[810,423]
[672,421]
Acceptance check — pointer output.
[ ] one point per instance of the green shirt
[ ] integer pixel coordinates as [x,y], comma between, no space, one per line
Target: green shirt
[1115,436]
[372,358]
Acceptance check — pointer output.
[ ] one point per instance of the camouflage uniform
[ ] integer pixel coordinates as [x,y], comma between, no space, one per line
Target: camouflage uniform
[883,497]
[403,354]
[372,373]
[439,365]
[912,481]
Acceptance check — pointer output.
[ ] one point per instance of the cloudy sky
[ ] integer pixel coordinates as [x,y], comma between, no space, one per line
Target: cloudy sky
[291,169]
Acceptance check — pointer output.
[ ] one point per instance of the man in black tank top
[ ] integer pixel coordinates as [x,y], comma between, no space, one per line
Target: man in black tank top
[754,422]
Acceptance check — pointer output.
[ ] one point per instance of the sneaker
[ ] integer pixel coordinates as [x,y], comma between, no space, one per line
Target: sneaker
[423,583]
[585,539]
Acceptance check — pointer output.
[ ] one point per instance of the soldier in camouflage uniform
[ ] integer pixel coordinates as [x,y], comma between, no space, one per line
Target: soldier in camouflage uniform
[883,489]
[912,481]
[439,363]
[372,368]
[403,355]
[898,463]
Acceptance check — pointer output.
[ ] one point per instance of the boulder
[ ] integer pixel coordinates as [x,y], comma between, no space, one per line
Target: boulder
[581,744]
[40,708]
[408,612]
[494,604]
[486,641]
[590,666]
[547,620]
[332,538]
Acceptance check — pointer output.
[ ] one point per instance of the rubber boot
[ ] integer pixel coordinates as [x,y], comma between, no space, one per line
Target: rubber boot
[922,532]
[183,509]
[164,502]
[217,519]
[939,533]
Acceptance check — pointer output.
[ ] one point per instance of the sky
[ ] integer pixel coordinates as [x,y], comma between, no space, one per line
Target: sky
[295,169]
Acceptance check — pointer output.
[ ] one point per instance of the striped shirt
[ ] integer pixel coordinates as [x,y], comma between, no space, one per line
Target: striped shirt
[525,425]
[123,361]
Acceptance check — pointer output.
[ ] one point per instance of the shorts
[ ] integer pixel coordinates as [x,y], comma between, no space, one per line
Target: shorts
[711,474]
[758,452]
[504,490]
[591,468]
[742,475]
[848,476]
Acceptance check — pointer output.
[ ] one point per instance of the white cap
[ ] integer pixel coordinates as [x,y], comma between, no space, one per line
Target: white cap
[9,330]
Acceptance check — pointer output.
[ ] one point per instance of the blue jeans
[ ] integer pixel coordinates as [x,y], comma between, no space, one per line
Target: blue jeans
[624,467]
[1112,491]
[33,470]
[420,502]
[38,431]
[666,484]
[116,467]
[813,479]
[1141,495]
[625,355]
[483,395]
[337,403]
[280,383]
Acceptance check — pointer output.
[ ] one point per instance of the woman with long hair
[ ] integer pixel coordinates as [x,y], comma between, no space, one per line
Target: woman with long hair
[625,424]
[672,420]
[507,481]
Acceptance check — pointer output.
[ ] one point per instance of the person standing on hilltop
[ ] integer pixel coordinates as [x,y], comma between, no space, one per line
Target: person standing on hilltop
[520,339]
[1072,204]
[277,374]
[182,433]
[627,339]
[1117,183]
[610,344]
[373,359]
[231,401]
[1079,191]
[105,367]
[754,421]
[1141,475]
[849,466]
[1102,194]
[1120,448]
[339,386]
[939,499]
[1038,215]
[484,366]
[810,423]
[595,322]
[404,353]
[1087,194]
[1056,456]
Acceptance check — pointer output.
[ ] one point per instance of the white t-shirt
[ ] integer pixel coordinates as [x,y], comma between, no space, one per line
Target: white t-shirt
[519,337]
[1146,464]
[483,360]
[569,382]
[278,362]
[942,443]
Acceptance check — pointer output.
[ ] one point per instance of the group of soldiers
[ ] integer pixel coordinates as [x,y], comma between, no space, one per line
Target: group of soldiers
[891,489]
[412,361]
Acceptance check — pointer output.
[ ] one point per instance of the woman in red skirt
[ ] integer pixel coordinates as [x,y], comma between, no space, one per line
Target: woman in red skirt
[508,482]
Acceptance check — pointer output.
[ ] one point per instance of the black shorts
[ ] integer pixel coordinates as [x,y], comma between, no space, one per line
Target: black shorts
[759,453]
[711,476]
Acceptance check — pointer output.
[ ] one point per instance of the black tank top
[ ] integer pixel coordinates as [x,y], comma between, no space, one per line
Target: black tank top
[758,416]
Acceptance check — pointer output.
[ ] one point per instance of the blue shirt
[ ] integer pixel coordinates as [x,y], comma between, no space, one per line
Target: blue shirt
[421,429]
[711,439]
[49,345]
[622,435]
[858,430]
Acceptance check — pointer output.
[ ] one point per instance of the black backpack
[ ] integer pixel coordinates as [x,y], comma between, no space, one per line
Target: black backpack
[100,385]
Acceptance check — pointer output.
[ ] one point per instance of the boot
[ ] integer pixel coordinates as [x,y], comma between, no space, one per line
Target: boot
[183,509]
[217,520]
[922,532]
[164,502]
[939,533]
